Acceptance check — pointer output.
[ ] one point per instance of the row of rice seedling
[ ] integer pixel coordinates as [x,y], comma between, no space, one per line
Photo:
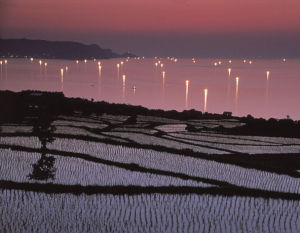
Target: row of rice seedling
[158,141]
[137,125]
[79,124]
[76,131]
[17,165]
[194,167]
[170,128]
[38,212]
[79,118]
[249,149]
[202,124]
[133,130]
[32,142]
[78,171]
[230,123]
[217,139]
[142,118]
[275,140]
[113,119]
[16,129]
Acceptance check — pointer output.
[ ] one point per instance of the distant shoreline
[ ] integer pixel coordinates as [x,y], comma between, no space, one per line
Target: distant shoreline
[43,49]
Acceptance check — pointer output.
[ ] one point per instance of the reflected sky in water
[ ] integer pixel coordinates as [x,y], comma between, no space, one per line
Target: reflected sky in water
[265,88]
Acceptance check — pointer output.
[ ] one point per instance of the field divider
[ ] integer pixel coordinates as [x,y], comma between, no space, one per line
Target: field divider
[51,188]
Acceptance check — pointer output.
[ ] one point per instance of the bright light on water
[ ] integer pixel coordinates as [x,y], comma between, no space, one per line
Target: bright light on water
[268,74]
[236,94]
[187,93]
[163,89]
[62,74]
[229,71]
[205,99]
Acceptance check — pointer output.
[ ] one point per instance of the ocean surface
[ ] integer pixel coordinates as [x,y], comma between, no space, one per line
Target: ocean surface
[264,88]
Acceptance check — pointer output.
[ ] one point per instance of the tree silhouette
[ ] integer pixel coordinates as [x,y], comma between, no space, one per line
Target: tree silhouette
[44,168]
[44,130]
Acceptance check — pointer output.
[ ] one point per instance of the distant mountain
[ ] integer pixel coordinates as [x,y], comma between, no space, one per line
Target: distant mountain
[54,49]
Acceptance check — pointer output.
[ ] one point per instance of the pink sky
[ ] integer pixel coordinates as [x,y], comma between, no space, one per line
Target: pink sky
[62,19]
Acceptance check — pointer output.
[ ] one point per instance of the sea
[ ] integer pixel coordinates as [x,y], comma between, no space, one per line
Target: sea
[261,88]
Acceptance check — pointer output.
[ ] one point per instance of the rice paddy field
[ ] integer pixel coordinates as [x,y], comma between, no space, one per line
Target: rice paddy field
[111,173]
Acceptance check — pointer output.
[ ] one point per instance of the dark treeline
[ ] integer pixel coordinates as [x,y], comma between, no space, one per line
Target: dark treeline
[263,127]
[15,106]
[27,105]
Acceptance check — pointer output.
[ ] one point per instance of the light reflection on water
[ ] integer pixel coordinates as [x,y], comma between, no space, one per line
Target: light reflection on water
[265,88]
[186,94]
[205,99]
[237,79]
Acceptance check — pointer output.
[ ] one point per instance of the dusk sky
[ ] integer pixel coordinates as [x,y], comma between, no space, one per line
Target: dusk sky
[169,27]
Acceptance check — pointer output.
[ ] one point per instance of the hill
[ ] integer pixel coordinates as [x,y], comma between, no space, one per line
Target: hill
[54,49]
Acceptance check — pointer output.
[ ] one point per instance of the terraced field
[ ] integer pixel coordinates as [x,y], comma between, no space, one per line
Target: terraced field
[147,174]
